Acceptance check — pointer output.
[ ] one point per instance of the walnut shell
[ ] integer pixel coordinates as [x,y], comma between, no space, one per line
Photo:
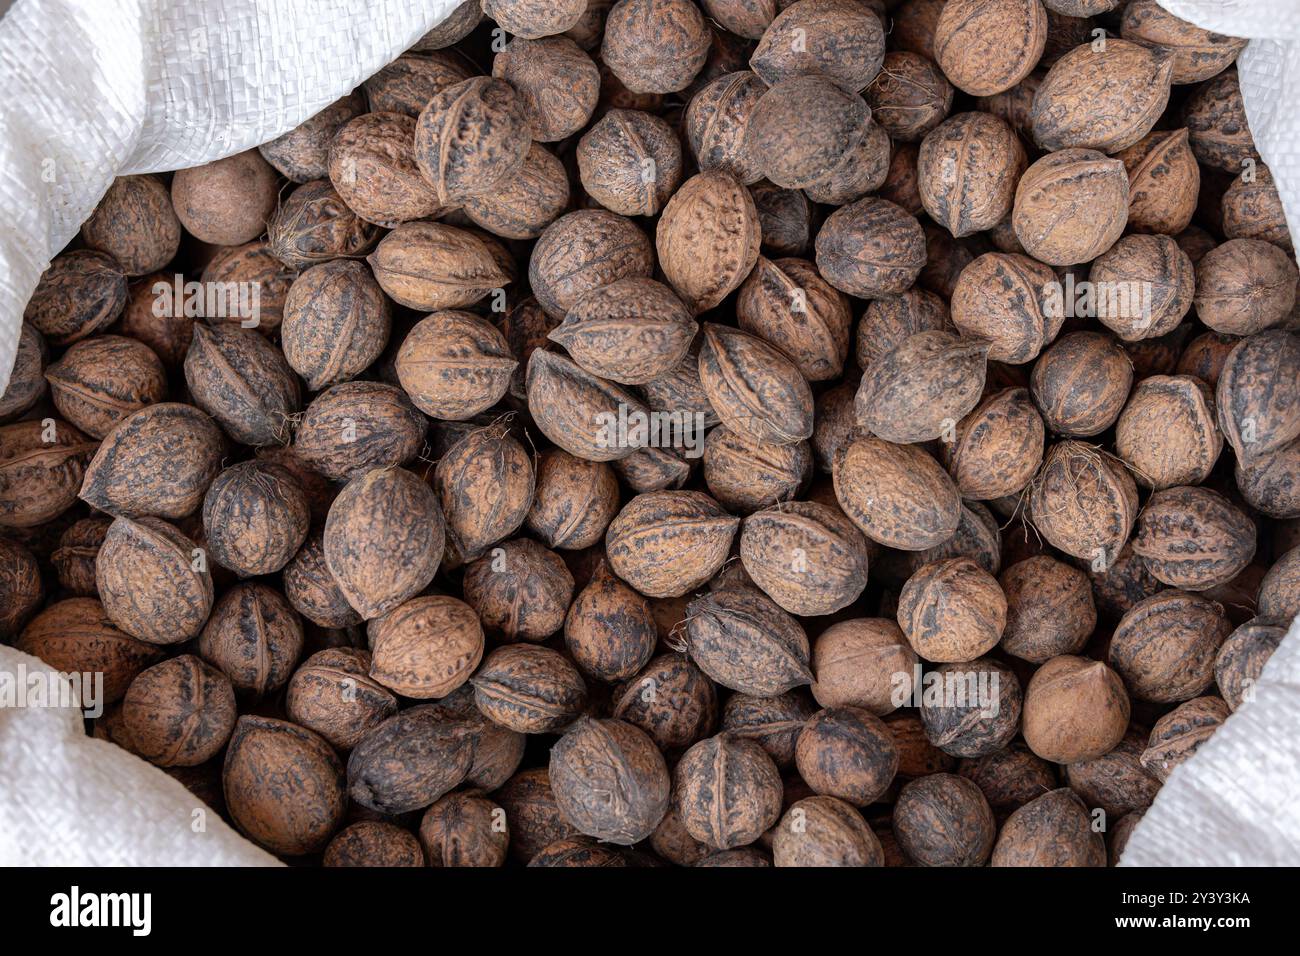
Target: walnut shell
[755,389]
[901,186]
[944,820]
[1052,830]
[727,790]
[1081,383]
[585,250]
[312,590]
[1252,209]
[42,463]
[909,97]
[610,628]
[426,647]
[988,47]
[744,641]
[839,157]
[1004,299]
[27,378]
[997,448]
[1245,286]
[1071,206]
[355,427]
[708,238]
[485,486]
[226,202]
[529,689]
[254,637]
[1164,182]
[1279,592]
[153,580]
[101,380]
[534,18]
[255,517]
[374,842]
[1258,394]
[76,636]
[785,219]
[1102,99]
[914,23]
[333,694]
[158,461]
[824,831]
[302,154]
[890,320]
[585,415]
[671,841]
[464,829]
[854,664]
[408,83]
[631,331]
[1204,358]
[897,494]
[74,560]
[430,266]
[834,422]
[373,167]
[1116,781]
[838,39]
[952,610]
[180,712]
[655,46]
[315,225]
[935,371]
[530,201]
[1143,285]
[1178,734]
[520,589]
[410,760]
[1075,709]
[580,851]
[1011,777]
[847,752]
[535,821]
[971,709]
[454,365]
[671,700]
[336,322]
[573,502]
[80,293]
[471,138]
[1084,502]
[1194,538]
[384,539]
[774,722]
[135,224]
[609,780]
[1215,117]
[243,381]
[1241,660]
[806,556]
[717,125]
[1164,646]
[557,83]
[1198,54]
[667,543]
[284,786]
[164,327]
[630,162]
[788,304]
[1050,609]
[871,249]
[967,170]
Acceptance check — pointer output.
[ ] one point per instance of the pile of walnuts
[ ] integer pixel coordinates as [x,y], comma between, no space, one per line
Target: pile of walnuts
[971,327]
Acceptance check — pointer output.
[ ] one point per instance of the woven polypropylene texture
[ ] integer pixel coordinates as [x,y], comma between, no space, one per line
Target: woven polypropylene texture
[98,88]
